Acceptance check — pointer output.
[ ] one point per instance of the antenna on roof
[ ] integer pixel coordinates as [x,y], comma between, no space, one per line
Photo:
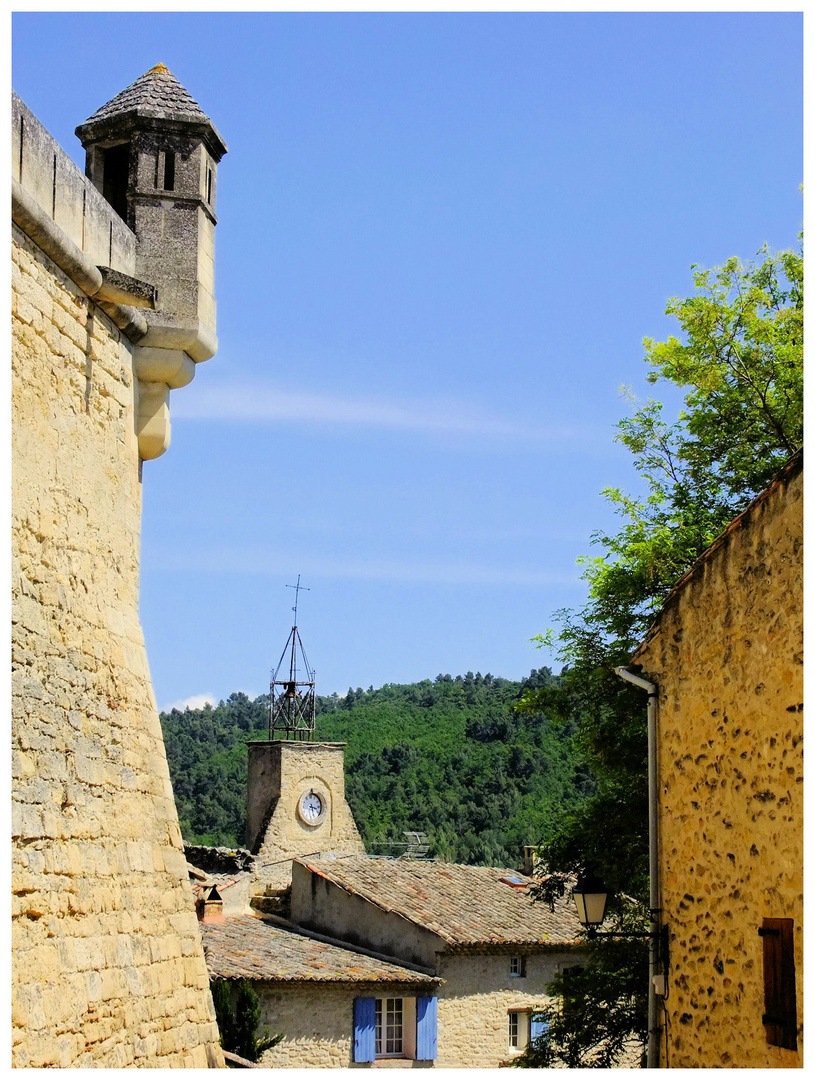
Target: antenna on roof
[297,589]
[417,845]
[292,712]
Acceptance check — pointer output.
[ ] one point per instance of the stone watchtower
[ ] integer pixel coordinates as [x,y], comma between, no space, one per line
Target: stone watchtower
[112,284]
[153,154]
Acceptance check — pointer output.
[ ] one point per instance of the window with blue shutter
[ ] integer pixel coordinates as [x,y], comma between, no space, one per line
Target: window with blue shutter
[426,1028]
[364,1029]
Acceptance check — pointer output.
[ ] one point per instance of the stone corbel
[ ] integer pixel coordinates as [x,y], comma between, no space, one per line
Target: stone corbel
[157,371]
[152,419]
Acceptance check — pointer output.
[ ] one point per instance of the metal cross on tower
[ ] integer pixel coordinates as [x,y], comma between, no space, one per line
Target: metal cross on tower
[292,700]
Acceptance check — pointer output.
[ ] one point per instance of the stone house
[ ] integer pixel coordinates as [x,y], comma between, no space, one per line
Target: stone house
[112,284]
[726,656]
[308,985]
[318,927]
[467,953]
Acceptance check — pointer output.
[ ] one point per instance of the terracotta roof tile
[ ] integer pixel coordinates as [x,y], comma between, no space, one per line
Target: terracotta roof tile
[250,948]
[464,905]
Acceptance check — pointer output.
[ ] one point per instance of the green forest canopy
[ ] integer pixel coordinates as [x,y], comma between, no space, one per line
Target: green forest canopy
[449,757]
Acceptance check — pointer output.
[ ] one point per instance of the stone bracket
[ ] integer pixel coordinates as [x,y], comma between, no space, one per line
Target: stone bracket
[171,366]
[119,288]
[152,418]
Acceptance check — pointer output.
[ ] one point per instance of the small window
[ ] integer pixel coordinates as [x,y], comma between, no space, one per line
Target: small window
[519,1028]
[573,994]
[780,1017]
[517,966]
[514,1030]
[169,171]
[209,185]
[396,1028]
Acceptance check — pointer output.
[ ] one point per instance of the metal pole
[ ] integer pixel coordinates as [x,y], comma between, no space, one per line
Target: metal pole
[652,1054]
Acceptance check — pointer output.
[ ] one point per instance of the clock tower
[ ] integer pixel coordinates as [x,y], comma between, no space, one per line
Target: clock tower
[296,787]
[296,805]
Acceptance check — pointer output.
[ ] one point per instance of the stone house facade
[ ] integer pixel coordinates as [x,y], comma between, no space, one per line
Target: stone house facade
[307,985]
[467,953]
[108,968]
[726,656]
[475,927]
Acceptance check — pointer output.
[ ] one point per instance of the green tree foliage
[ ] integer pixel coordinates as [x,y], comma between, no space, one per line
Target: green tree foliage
[450,757]
[601,1010]
[237,1010]
[738,360]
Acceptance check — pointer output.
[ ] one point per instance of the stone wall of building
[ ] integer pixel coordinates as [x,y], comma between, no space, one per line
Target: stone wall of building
[317,1024]
[476,999]
[108,966]
[727,657]
[473,1014]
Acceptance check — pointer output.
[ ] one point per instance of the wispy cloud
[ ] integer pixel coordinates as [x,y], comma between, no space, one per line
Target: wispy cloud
[261,403]
[196,701]
[264,562]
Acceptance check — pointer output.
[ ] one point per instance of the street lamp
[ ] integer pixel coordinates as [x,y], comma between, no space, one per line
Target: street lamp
[590,896]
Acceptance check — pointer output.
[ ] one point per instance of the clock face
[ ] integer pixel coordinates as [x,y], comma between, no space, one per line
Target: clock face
[311,807]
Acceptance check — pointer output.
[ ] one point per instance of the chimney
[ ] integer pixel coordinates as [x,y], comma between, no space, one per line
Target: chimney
[210,907]
[530,859]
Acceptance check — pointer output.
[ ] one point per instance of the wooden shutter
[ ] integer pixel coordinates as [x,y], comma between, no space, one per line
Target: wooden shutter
[426,1028]
[780,1017]
[364,1029]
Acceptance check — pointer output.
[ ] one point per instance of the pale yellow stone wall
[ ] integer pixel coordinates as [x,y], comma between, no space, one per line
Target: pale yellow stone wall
[727,658]
[108,966]
[475,1001]
[316,1019]
[317,1023]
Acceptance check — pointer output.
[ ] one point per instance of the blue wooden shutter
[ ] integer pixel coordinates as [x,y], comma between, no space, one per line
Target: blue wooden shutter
[537,1027]
[426,1028]
[364,1029]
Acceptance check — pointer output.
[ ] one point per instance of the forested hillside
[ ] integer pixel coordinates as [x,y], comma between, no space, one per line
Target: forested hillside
[451,758]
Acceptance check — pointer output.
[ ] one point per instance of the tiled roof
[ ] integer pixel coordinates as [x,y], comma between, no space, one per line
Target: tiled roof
[250,948]
[158,93]
[464,905]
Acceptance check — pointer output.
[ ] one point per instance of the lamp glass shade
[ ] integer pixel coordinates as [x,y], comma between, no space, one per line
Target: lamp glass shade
[590,896]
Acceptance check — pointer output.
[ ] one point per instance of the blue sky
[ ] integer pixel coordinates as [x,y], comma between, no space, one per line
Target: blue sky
[441,240]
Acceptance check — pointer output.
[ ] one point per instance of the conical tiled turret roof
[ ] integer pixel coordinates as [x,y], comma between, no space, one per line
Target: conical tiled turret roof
[155,97]
[158,93]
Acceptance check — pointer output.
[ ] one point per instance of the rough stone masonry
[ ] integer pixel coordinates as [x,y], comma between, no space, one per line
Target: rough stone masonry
[108,967]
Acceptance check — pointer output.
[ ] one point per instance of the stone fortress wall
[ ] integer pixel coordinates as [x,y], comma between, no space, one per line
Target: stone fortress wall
[727,658]
[108,967]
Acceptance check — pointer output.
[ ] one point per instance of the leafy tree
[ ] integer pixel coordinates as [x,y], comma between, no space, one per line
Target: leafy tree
[739,361]
[601,1010]
[238,1015]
